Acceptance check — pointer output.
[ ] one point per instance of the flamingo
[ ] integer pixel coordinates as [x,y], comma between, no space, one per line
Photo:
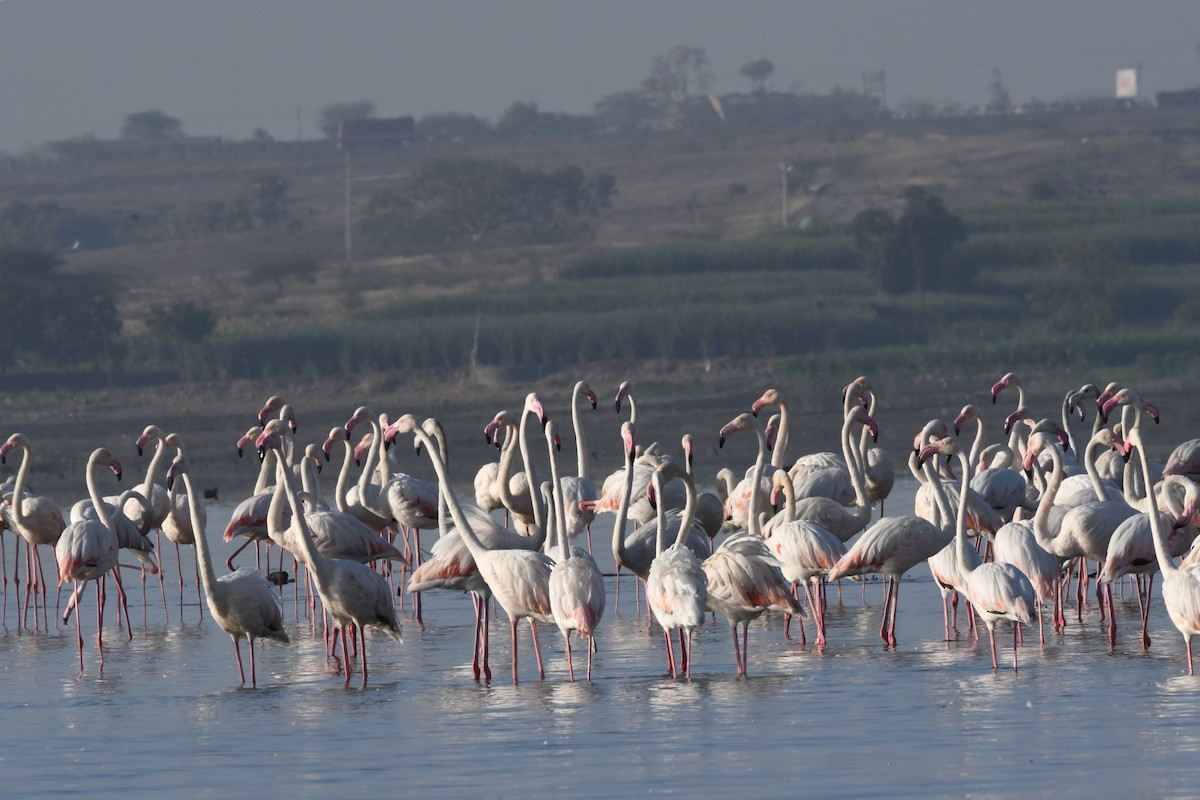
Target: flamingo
[352,593]
[744,579]
[1016,544]
[676,586]
[1131,548]
[805,550]
[579,488]
[996,590]
[1003,488]
[519,579]
[1180,587]
[576,584]
[1083,531]
[891,546]
[877,466]
[242,603]
[34,518]
[179,524]
[87,549]
[450,565]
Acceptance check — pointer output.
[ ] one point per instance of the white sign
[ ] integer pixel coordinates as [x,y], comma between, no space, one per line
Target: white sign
[1127,84]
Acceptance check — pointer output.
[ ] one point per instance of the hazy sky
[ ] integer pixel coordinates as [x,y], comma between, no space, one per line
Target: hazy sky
[76,67]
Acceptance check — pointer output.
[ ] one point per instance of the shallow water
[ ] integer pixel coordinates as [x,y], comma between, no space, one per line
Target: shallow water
[856,720]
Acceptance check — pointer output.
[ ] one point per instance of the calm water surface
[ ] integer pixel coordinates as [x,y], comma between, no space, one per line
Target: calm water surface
[856,720]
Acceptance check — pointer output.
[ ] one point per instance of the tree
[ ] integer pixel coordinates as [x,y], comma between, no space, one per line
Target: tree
[624,111]
[152,125]
[184,326]
[676,75]
[759,72]
[926,233]
[453,127]
[62,318]
[278,268]
[1000,102]
[911,253]
[334,114]
[448,201]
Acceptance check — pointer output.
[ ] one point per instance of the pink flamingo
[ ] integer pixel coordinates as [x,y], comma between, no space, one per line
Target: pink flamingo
[242,603]
[576,584]
[35,519]
[87,549]
[519,579]
[1180,587]
[996,590]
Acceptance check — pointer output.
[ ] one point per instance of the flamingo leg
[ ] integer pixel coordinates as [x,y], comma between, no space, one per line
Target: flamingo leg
[237,651]
[241,547]
[887,605]
[992,637]
[737,653]
[670,654]
[78,630]
[591,650]
[513,627]
[1146,613]
[745,648]
[1112,616]
[895,608]
[570,665]
[345,653]
[362,638]
[417,563]
[253,676]
[475,601]
[487,670]
[1016,627]
[537,648]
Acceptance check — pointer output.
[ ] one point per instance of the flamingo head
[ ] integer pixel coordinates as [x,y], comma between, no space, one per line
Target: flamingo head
[969,412]
[270,408]
[1013,418]
[533,404]
[152,433]
[335,435]
[247,439]
[772,429]
[360,414]
[739,423]
[178,467]
[1009,379]
[589,394]
[16,440]
[623,391]
[629,439]
[769,398]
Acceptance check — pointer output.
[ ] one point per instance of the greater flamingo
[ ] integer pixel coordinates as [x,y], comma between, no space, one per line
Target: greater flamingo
[1180,587]
[34,518]
[352,593]
[242,603]
[519,579]
[996,590]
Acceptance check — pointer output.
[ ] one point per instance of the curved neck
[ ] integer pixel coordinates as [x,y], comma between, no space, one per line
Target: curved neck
[580,437]
[977,444]
[203,557]
[618,542]
[18,512]
[945,511]
[364,479]
[753,524]
[789,500]
[858,478]
[460,519]
[285,484]
[960,521]
[539,518]
[102,510]
[343,481]
[1066,423]
[689,508]
[1165,563]
[160,452]
[556,501]
[264,476]
[1041,519]
[779,454]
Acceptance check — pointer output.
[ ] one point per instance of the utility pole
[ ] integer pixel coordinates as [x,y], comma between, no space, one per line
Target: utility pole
[784,169]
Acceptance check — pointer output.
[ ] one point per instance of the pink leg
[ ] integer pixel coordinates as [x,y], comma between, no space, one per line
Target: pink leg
[737,653]
[670,654]
[887,605]
[243,546]
[1146,613]
[745,648]
[346,653]
[1112,616]
[253,677]
[475,601]
[78,629]
[487,619]
[237,651]
[570,665]
[362,650]
[537,649]
[591,649]
[512,623]
[992,637]
[417,563]
[895,608]
[1016,627]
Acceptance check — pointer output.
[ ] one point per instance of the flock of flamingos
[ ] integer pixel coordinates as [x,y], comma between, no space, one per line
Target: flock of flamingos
[1005,525]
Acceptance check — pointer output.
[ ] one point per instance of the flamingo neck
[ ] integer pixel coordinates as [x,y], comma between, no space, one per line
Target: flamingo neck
[203,556]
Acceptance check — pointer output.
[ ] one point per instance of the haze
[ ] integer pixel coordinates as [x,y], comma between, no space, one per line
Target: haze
[227,67]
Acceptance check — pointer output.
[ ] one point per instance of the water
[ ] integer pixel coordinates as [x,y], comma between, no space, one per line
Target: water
[929,719]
